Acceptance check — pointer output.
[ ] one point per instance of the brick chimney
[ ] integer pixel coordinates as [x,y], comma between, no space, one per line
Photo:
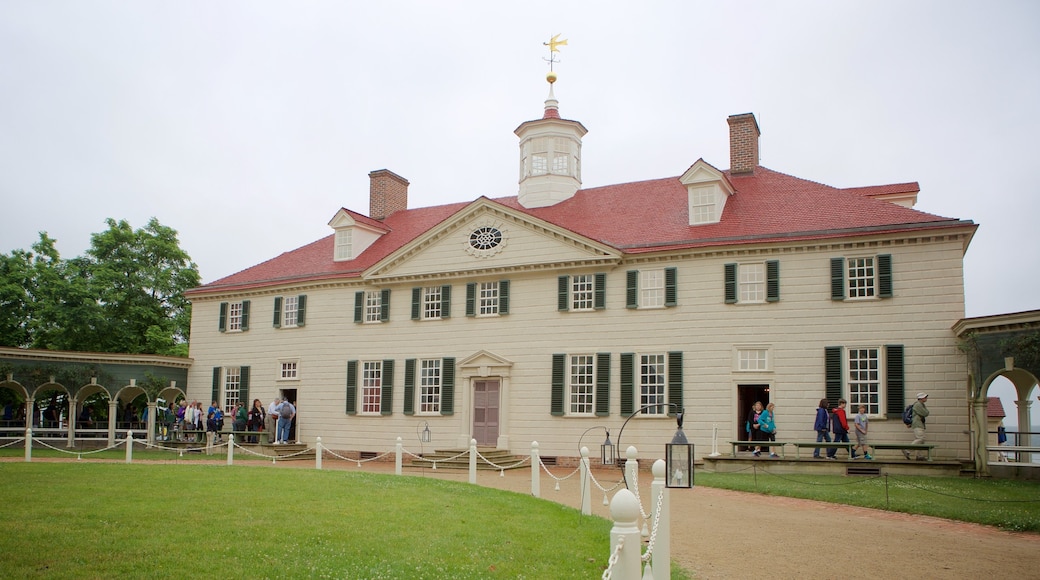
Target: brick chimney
[743,143]
[388,193]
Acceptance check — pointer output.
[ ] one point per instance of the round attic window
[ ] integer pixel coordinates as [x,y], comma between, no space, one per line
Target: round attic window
[485,238]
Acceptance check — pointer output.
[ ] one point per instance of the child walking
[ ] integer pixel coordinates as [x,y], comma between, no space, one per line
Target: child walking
[862,424]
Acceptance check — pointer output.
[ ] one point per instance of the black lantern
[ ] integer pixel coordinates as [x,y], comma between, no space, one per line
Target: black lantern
[607,451]
[425,436]
[678,459]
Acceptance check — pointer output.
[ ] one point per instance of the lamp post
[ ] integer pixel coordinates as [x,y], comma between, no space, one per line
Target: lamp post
[678,454]
[606,449]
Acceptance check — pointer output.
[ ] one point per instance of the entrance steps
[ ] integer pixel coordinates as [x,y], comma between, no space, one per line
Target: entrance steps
[451,459]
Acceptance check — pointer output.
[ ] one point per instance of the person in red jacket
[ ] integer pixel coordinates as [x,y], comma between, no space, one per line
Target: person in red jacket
[840,427]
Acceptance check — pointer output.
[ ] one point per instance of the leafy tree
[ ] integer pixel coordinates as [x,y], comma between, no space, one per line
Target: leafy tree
[123,295]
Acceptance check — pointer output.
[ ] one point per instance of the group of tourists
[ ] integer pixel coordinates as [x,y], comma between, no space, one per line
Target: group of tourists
[184,421]
[836,421]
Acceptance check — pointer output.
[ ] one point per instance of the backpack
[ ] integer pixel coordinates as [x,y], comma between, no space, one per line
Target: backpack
[908,415]
[285,411]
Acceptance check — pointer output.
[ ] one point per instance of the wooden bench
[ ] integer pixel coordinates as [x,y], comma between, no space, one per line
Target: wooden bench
[1016,449]
[763,444]
[904,447]
[822,445]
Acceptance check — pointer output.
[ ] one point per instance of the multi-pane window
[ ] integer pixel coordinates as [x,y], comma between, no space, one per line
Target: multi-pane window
[702,206]
[582,384]
[539,164]
[488,298]
[583,288]
[753,359]
[232,387]
[290,308]
[861,277]
[234,320]
[561,157]
[344,244]
[373,306]
[652,383]
[864,380]
[371,387]
[651,288]
[430,386]
[431,303]
[752,282]
[289,371]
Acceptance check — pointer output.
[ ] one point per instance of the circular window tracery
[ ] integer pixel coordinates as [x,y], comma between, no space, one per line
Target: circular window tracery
[485,238]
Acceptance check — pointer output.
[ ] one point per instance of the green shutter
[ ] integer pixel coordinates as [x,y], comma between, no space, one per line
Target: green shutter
[675,382]
[445,301]
[884,268]
[503,297]
[599,297]
[730,283]
[416,302]
[222,320]
[837,278]
[632,289]
[386,397]
[628,384]
[409,386]
[895,381]
[563,293]
[671,290]
[556,394]
[245,315]
[384,305]
[471,299]
[772,280]
[359,306]
[448,386]
[603,384]
[301,310]
[277,312]
[216,385]
[352,387]
[243,387]
[832,360]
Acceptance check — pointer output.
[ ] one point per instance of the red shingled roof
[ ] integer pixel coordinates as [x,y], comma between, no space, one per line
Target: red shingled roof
[636,217]
[995,408]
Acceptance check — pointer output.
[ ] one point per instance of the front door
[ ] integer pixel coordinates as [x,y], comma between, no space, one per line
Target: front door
[747,396]
[485,412]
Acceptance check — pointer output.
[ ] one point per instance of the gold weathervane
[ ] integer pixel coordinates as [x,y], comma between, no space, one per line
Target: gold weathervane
[554,43]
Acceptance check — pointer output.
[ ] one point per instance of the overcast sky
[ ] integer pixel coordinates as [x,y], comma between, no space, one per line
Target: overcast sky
[246,125]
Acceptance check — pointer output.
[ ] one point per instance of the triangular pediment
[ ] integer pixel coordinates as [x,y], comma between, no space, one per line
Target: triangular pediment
[702,172]
[483,358]
[487,237]
[346,218]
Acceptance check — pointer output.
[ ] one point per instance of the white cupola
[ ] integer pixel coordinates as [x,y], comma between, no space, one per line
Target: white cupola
[550,156]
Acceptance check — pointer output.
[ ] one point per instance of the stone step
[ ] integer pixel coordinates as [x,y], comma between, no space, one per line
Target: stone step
[442,457]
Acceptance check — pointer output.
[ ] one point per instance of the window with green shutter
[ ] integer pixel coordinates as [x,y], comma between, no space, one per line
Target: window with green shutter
[243,387]
[832,374]
[503,297]
[446,301]
[471,299]
[632,289]
[359,306]
[884,266]
[301,309]
[600,298]
[671,290]
[384,305]
[416,302]
[603,384]
[222,319]
[772,280]
[277,323]
[563,293]
[352,367]
[837,278]
[628,384]
[409,386]
[895,381]
[556,396]
[448,386]
[386,398]
[217,374]
[675,382]
[245,315]
[730,283]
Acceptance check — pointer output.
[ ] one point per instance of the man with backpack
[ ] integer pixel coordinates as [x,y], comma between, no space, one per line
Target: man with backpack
[286,412]
[919,412]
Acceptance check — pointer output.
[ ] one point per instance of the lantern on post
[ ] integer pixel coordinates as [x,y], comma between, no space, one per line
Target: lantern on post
[607,451]
[425,436]
[678,458]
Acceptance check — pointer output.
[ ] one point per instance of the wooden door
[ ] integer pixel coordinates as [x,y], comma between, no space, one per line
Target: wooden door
[485,412]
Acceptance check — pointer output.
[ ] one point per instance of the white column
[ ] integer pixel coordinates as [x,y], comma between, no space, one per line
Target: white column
[72,422]
[586,483]
[472,460]
[662,558]
[150,424]
[317,453]
[398,449]
[129,446]
[536,476]
[112,404]
[1024,425]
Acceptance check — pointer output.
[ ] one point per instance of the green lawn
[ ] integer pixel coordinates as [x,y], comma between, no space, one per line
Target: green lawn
[113,520]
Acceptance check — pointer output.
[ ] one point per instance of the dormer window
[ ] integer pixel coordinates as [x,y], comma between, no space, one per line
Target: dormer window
[703,205]
[707,189]
[344,244]
[354,234]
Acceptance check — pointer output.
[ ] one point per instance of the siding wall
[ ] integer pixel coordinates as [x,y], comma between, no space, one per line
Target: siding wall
[928,299]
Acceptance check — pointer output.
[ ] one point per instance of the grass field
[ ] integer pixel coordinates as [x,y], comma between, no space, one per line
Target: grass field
[112,520]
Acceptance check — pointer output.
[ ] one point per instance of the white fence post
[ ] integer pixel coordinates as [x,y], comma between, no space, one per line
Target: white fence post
[586,483]
[472,460]
[624,508]
[631,467]
[714,441]
[231,449]
[317,453]
[28,443]
[397,456]
[535,475]
[662,564]
[129,446]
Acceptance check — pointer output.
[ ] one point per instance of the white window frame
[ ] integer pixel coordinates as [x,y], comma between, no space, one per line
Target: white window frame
[581,385]
[488,298]
[653,383]
[289,370]
[753,358]
[651,288]
[371,387]
[373,307]
[430,386]
[232,388]
[703,201]
[583,292]
[234,317]
[751,283]
[344,244]
[864,379]
[861,278]
[290,311]
[431,303]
